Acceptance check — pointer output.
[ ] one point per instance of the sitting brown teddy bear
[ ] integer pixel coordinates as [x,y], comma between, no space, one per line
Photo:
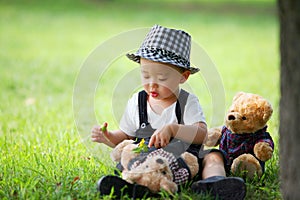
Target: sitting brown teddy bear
[157,169]
[244,139]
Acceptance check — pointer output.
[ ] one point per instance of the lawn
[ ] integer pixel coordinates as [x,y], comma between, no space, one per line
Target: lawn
[47,111]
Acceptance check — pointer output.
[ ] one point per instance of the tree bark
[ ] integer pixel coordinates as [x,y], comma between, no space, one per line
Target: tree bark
[289,16]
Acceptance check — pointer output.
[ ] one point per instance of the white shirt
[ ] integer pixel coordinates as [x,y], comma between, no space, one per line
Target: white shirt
[130,120]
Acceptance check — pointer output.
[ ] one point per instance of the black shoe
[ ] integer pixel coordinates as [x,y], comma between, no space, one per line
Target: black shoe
[121,188]
[226,188]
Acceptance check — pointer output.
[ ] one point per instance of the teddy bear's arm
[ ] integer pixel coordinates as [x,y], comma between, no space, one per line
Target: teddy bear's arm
[213,136]
[263,151]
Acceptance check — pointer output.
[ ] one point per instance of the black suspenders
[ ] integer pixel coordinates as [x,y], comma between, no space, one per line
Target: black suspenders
[142,103]
[180,106]
[145,129]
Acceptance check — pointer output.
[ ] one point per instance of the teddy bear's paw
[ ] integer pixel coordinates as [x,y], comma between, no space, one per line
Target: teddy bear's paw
[246,165]
[168,186]
[192,163]
[117,151]
[129,177]
[213,137]
[263,151]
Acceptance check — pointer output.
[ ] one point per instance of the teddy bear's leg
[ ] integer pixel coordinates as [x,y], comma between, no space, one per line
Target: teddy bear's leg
[246,164]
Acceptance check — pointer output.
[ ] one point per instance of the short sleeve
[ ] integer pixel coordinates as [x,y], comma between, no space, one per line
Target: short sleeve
[130,120]
[193,111]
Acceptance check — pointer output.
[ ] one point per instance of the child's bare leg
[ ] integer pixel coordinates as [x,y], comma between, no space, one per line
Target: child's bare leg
[213,165]
[215,182]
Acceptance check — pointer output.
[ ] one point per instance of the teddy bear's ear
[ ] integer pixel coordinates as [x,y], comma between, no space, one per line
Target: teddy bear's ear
[268,110]
[238,95]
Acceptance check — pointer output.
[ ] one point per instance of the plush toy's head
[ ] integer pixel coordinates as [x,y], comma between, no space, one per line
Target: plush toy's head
[248,113]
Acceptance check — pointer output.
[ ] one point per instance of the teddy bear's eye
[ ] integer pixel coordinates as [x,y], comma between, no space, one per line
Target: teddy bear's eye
[244,118]
[164,172]
[160,161]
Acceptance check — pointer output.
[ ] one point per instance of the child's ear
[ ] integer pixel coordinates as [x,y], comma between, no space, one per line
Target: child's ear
[185,75]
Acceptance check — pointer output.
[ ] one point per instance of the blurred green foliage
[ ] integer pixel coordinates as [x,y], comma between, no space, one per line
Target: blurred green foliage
[43,46]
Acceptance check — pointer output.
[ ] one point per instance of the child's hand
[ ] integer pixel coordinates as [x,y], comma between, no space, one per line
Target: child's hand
[161,138]
[101,134]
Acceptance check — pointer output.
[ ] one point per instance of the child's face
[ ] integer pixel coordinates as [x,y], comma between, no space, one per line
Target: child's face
[161,80]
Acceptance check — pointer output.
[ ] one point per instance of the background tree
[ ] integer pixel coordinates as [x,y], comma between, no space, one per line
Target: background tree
[289,15]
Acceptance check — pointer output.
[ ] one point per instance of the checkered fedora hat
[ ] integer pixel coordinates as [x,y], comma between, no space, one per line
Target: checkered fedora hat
[167,46]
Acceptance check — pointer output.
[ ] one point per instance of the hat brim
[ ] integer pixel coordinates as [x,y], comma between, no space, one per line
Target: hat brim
[162,56]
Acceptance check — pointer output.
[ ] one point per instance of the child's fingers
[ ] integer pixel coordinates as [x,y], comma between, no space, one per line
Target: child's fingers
[154,141]
[106,134]
[163,143]
[157,143]
[151,142]
[95,137]
[102,135]
[104,130]
[104,127]
[95,129]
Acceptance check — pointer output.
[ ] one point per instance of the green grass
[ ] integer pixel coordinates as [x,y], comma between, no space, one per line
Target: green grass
[43,46]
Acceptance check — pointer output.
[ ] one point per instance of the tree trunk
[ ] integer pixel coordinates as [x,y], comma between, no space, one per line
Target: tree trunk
[289,15]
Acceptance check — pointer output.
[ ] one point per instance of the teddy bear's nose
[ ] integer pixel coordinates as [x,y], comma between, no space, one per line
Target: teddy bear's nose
[231,117]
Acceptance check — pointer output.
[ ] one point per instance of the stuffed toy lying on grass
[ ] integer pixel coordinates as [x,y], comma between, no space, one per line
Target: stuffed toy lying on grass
[157,170]
[244,139]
